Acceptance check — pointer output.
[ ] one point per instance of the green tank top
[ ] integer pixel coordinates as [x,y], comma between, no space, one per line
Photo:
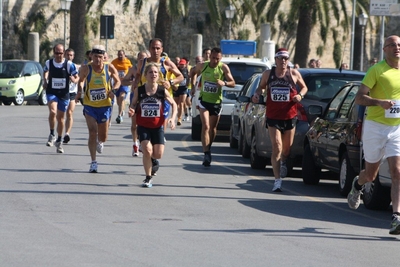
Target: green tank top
[211,92]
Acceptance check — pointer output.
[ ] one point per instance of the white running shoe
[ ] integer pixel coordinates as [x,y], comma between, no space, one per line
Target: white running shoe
[51,140]
[148,182]
[59,148]
[135,150]
[93,167]
[277,185]
[100,147]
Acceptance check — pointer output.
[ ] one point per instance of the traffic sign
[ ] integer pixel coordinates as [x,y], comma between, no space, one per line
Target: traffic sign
[384,8]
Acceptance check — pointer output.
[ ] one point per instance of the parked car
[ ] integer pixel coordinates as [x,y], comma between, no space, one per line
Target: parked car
[241,69]
[240,123]
[21,80]
[322,85]
[334,143]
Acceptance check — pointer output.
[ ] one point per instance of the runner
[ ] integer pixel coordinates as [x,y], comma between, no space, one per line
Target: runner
[122,64]
[58,73]
[97,100]
[148,105]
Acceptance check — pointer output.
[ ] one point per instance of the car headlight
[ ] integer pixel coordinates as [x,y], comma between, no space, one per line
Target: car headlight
[11,82]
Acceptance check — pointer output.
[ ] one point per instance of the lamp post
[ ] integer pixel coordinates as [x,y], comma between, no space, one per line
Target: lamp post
[362,19]
[65,5]
[230,13]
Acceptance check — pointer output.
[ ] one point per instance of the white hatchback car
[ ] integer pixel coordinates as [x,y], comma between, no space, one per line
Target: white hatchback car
[242,69]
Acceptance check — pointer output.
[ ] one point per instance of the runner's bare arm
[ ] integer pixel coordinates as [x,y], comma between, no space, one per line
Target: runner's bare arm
[132,105]
[171,67]
[262,86]
[172,119]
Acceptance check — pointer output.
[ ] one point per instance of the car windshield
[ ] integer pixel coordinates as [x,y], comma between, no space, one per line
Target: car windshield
[11,69]
[323,88]
[241,72]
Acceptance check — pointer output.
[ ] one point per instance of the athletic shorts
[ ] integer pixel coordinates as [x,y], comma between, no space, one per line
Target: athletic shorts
[182,90]
[121,90]
[154,135]
[380,140]
[72,96]
[282,125]
[167,107]
[101,115]
[213,109]
[62,104]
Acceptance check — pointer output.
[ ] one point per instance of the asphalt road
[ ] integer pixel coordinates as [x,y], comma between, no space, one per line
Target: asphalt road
[54,213]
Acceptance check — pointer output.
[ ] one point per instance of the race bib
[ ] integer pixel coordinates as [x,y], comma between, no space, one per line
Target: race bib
[150,110]
[58,83]
[121,73]
[210,87]
[280,94]
[98,94]
[393,112]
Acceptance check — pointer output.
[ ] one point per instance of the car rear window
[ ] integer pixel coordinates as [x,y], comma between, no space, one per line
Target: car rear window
[241,72]
[323,88]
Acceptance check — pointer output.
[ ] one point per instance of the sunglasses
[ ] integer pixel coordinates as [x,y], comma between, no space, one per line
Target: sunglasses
[59,53]
[282,57]
[392,45]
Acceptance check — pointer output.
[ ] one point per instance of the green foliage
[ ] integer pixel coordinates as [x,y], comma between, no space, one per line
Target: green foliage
[320,50]
[337,53]
[45,50]
[35,22]
[243,34]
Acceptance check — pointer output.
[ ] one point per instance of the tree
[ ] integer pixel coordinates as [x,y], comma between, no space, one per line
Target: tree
[77,30]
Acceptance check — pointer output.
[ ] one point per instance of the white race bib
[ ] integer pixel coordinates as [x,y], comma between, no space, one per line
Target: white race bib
[58,83]
[98,94]
[210,87]
[280,94]
[393,112]
[150,110]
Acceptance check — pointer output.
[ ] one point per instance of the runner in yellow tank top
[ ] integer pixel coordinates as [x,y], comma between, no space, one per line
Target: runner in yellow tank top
[97,103]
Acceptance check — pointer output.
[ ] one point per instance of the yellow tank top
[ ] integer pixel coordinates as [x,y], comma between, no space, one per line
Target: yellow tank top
[97,88]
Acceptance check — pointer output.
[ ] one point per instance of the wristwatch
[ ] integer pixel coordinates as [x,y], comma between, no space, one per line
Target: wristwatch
[171,82]
[302,96]
[226,83]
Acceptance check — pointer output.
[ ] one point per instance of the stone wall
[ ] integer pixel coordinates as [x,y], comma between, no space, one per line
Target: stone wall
[132,31]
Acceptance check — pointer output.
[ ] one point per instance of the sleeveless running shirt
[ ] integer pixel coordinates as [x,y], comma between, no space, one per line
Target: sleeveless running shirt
[279,96]
[150,109]
[210,91]
[97,88]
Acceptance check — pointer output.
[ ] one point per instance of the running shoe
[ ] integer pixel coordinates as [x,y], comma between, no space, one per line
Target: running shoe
[147,182]
[179,123]
[118,119]
[186,118]
[155,167]
[283,171]
[66,139]
[135,151]
[100,147]
[59,148]
[93,167]
[354,197]
[395,225]
[51,140]
[277,185]
[207,159]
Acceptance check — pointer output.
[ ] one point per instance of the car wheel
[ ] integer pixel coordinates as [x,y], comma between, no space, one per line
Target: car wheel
[375,196]
[196,131]
[256,161]
[42,98]
[311,172]
[346,175]
[240,142]
[19,98]
[245,148]
[233,142]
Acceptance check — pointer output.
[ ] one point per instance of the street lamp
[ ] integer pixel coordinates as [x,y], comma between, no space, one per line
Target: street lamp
[65,5]
[362,19]
[230,13]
